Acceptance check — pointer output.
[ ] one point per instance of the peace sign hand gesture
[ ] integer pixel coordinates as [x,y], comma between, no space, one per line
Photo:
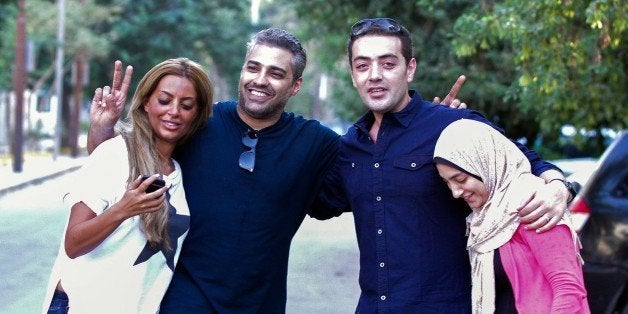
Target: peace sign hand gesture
[107,106]
[108,102]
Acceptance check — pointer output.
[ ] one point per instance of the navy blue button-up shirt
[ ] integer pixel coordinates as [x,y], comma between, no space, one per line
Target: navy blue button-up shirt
[235,257]
[410,230]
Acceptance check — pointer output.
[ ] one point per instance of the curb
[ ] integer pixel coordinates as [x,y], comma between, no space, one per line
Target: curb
[38,180]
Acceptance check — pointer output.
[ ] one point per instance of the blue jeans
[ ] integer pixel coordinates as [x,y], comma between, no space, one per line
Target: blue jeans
[59,303]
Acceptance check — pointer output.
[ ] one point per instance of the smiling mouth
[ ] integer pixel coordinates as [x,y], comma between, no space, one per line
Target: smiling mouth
[258,93]
[170,124]
[376,90]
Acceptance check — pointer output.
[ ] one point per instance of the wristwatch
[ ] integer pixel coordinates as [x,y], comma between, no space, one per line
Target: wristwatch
[572,187]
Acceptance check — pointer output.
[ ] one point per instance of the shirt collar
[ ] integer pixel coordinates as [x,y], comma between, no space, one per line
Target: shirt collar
[402,118]
[283,121]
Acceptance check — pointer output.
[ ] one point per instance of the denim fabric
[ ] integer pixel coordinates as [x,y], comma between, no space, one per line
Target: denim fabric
[59,303]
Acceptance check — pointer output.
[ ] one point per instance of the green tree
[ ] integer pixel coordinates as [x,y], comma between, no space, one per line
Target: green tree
[81,38]
[141,33]
[532,66]
[326,27]
[8,11]
[81,34]
[213,33]
[83,42]
[569,57]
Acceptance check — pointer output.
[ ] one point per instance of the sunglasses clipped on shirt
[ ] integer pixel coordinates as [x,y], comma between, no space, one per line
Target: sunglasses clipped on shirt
[383,23]
[247,158]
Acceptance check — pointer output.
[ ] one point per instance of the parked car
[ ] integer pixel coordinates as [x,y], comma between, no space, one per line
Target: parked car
[601,206]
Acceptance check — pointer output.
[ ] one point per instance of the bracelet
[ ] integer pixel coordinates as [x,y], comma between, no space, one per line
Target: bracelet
[571,188]
[556,179]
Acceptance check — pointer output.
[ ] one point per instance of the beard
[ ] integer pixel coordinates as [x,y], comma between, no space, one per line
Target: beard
[262,112]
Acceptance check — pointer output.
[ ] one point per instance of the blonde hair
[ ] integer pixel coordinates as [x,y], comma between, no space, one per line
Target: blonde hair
[140,137]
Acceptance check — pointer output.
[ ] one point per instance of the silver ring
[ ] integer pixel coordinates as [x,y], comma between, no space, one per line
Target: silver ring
[546,218]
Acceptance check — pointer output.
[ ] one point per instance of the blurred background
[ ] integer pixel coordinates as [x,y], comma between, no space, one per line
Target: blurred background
[552,73]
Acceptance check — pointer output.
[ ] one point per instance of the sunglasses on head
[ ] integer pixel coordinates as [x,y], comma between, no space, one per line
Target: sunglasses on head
[247,158]
[383,23]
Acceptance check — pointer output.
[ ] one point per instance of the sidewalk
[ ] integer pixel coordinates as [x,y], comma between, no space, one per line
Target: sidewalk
[36,168]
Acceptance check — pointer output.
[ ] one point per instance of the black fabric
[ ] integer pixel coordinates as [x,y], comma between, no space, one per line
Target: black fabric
[504,296]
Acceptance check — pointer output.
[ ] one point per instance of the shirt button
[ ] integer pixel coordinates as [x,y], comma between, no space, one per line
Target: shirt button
[352,165]
[378,198]
[383,297]
[379,231]
[413,165]
[376,165]
[381,264]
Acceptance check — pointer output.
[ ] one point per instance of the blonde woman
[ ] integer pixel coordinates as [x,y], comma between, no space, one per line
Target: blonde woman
[513,269]
[123,238]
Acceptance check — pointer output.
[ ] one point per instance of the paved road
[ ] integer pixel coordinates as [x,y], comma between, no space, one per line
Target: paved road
[322,271]
[31,222]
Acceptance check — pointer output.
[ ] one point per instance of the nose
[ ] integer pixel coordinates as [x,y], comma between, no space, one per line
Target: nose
[261,78]
[456,191]
[376,72]
[174,108]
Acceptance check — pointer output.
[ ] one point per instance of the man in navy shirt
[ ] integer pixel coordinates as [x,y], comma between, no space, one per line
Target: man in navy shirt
[249,176]
[410,230]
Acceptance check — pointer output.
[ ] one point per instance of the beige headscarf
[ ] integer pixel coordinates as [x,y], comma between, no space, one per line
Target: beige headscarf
[480,150]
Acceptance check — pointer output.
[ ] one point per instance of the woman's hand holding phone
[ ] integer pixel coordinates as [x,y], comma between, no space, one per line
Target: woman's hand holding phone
[155,185]
[138,198]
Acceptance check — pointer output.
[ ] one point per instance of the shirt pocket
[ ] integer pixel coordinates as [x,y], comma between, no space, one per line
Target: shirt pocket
[417,173]
[358,182]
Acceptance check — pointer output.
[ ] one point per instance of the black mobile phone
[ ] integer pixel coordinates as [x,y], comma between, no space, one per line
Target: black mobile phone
[156,185]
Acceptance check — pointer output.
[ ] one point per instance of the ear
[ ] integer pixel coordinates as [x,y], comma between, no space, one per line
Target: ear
[296,87]
[411,69]
[145,105]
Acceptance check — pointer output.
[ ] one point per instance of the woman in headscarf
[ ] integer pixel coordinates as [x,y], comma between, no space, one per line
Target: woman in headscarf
[512,268]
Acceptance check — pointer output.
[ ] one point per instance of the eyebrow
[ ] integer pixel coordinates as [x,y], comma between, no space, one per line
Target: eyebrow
[182,98]
[456,175]
[272,67]
[386,56]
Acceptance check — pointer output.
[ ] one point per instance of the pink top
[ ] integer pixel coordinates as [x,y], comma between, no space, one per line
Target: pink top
[544,271]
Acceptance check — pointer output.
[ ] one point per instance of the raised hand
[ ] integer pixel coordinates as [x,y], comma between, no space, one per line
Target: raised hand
[451,100]
[107,106]
[108,102]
